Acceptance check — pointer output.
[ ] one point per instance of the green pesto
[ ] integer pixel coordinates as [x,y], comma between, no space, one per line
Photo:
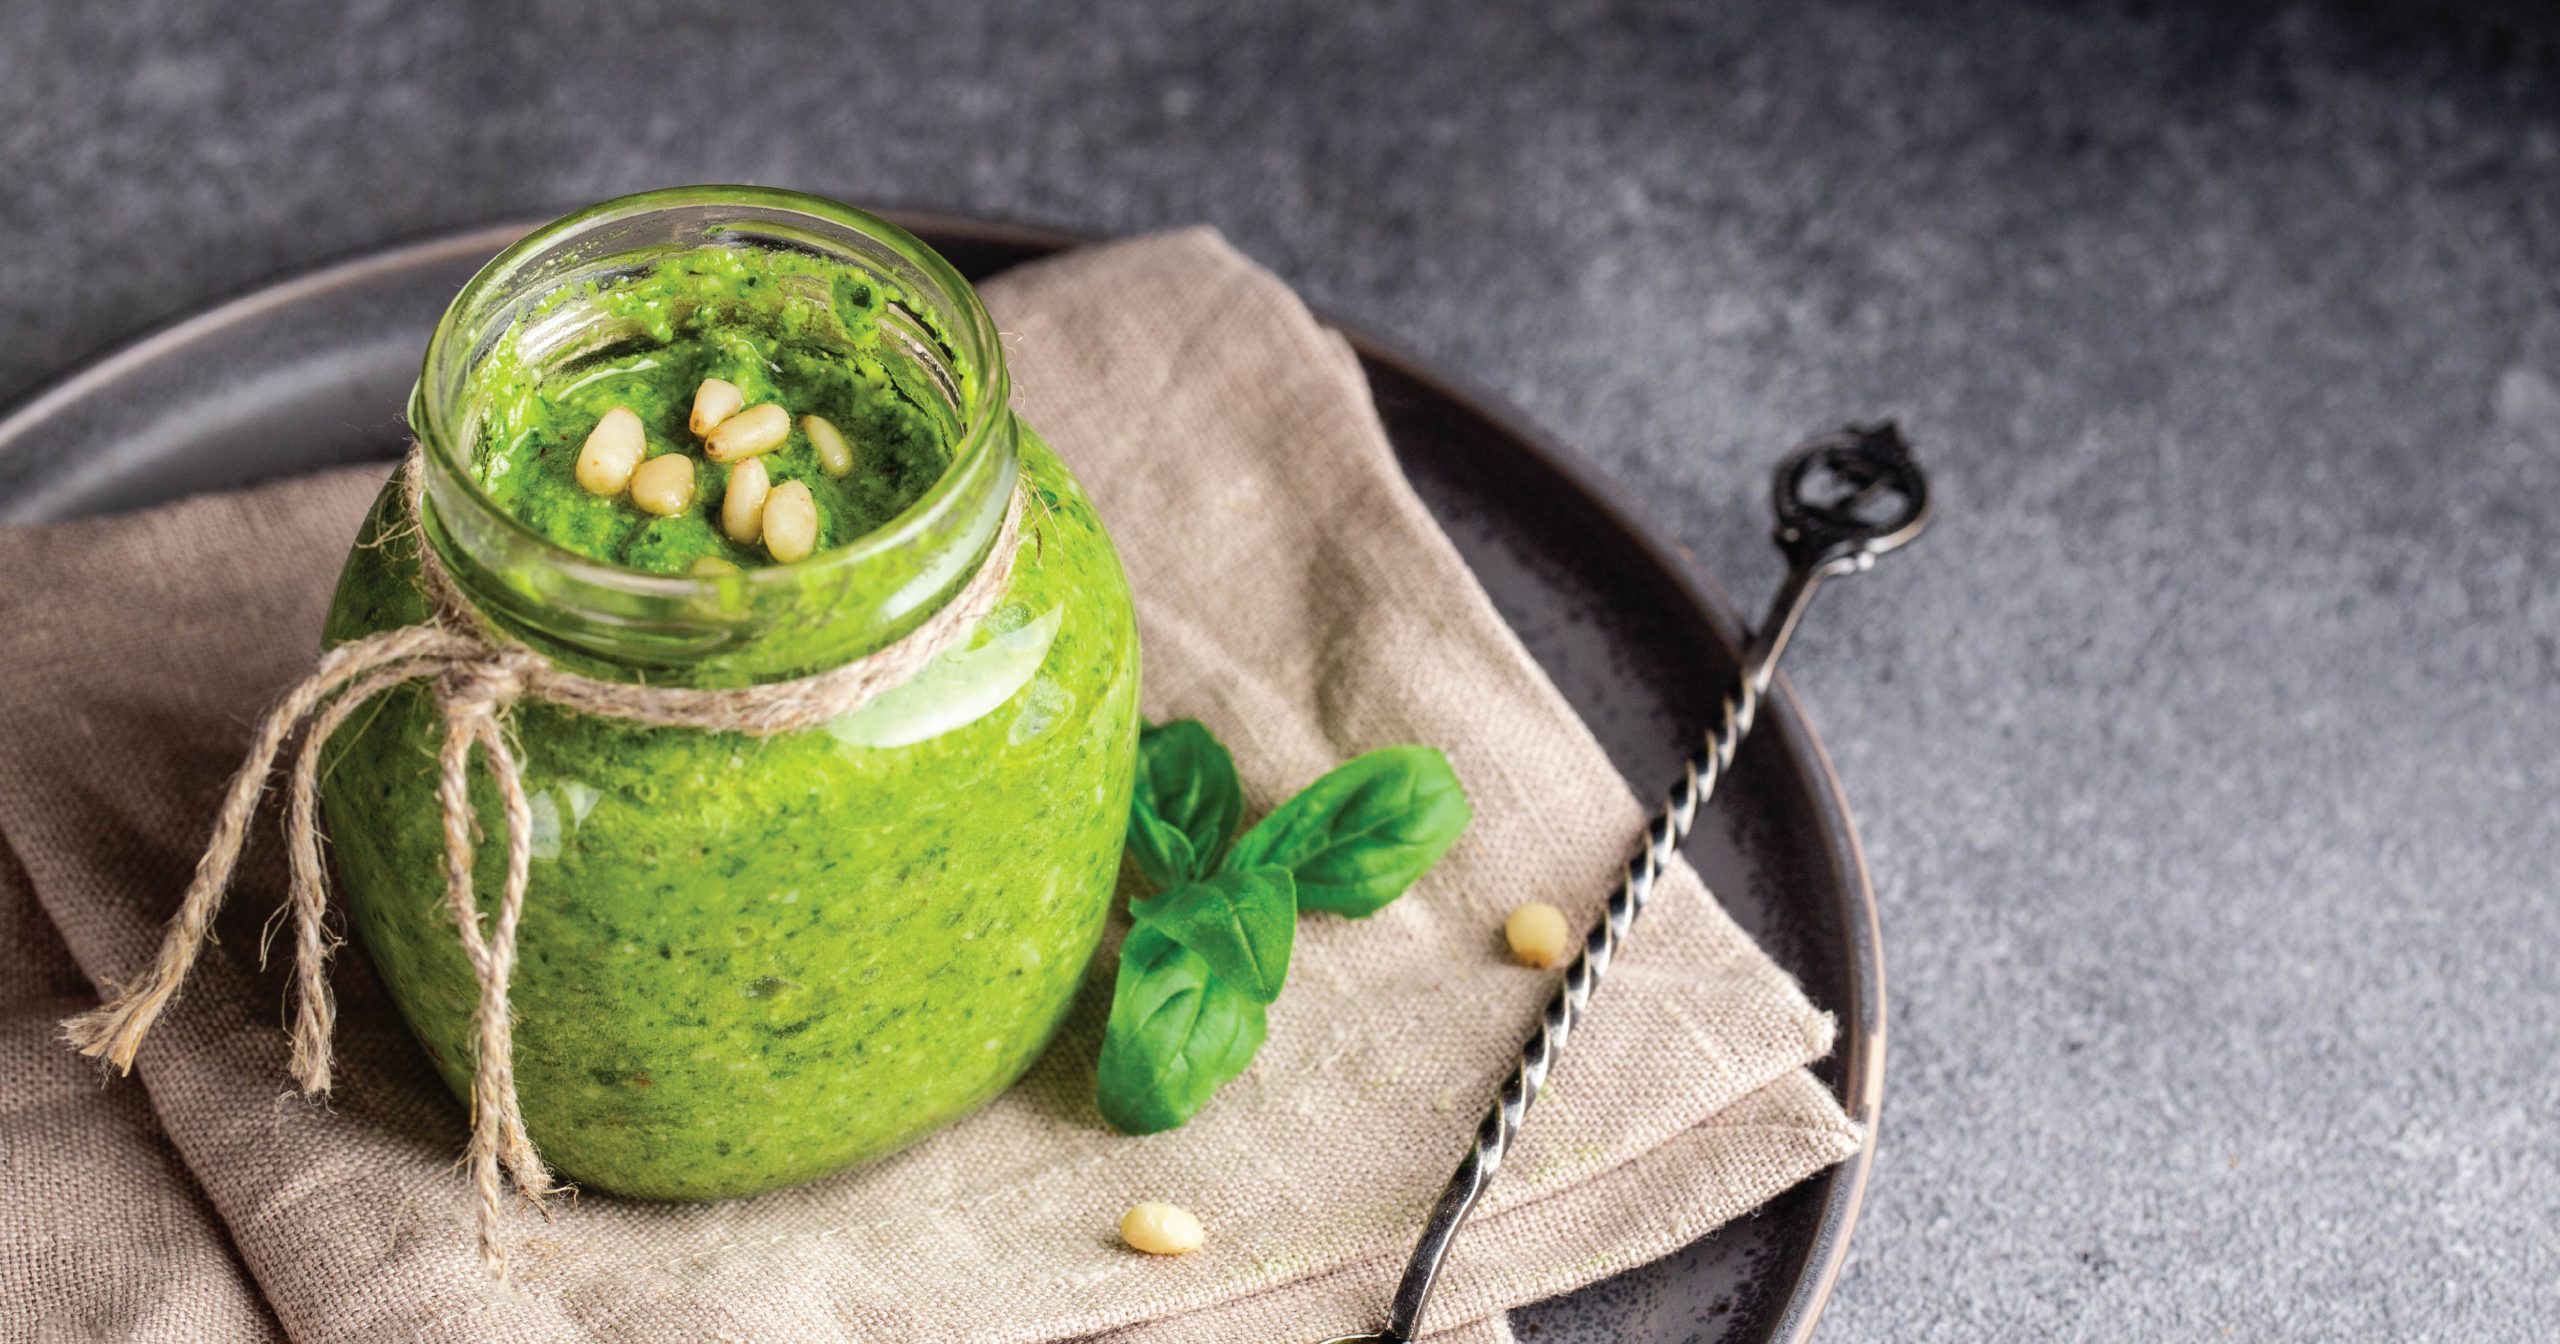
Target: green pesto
[796,330]
[750,963]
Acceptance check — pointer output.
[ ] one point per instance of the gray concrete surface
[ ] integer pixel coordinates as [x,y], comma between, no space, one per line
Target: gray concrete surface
[2205,753]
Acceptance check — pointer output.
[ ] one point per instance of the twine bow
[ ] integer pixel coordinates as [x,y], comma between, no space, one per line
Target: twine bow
[475,672]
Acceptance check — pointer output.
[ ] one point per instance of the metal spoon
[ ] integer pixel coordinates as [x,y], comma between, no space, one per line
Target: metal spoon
[1841,534]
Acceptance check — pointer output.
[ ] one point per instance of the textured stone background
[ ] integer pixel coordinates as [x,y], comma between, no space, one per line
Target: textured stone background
[2206,751]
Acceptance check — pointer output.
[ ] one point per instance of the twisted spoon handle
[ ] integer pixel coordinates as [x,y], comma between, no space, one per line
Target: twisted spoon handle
[1822,540]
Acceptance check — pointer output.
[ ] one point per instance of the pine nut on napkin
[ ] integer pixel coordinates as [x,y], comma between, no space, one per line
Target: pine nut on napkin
[1292,593]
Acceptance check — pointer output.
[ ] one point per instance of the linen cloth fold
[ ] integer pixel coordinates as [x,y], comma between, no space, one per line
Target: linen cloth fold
[1292,593]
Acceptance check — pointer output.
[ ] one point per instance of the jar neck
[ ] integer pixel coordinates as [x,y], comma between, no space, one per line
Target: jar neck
[753,625]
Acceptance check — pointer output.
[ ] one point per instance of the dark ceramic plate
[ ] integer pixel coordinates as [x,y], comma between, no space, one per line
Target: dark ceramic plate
[315,371]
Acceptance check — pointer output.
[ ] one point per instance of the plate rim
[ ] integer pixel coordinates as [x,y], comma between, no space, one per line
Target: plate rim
[1861,1042]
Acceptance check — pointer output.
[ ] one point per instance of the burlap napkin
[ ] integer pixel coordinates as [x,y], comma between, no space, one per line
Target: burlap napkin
[1292,593]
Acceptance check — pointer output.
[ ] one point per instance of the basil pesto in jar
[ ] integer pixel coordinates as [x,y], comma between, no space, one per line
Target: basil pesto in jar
[746,962]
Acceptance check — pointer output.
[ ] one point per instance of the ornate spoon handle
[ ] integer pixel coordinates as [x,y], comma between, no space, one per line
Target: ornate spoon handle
[1859,469]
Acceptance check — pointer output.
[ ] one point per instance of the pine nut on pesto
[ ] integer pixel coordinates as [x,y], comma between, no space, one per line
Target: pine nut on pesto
[742,504]
[835,456]
[714,401]
[757,429]
[790,521]
[663,485]
[612,452]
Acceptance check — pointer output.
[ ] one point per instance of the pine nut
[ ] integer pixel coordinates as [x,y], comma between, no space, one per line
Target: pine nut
[664,484]
[742,508]
[1538,934]
[716,400]
[1161,1229]
[835,456]
[612,452]
[755,430]
[790,522]
[710,567]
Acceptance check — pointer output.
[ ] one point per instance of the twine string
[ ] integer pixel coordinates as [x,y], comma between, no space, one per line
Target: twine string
[476,673]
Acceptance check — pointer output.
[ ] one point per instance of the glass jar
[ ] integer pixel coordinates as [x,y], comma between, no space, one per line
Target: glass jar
[747,962]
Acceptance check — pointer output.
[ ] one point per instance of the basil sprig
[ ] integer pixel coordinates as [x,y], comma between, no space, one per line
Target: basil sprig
[1205,954]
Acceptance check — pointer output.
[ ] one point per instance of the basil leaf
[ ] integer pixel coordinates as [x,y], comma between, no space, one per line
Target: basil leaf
[1355,839]
[1241,923]
[1177,1034]
[1187,788]
[1162,850]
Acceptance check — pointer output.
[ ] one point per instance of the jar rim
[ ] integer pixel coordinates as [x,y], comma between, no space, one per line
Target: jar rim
[987,405]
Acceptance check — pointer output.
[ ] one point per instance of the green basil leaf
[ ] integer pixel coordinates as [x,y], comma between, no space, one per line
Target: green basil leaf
[1162,850]
[1177,1034]
[1355,839]
[1186,786]
[1241,923]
